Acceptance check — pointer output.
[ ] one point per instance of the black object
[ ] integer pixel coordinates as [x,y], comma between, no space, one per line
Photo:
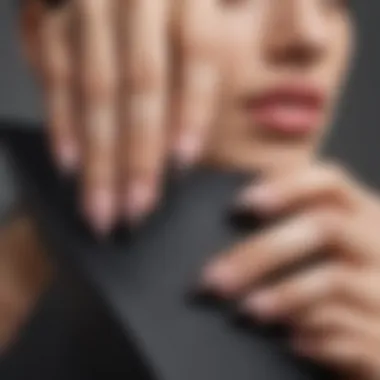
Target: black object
[143,279]
[49,4]
[54,4]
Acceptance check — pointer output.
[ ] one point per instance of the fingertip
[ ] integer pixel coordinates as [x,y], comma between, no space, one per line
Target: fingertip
[260,198]
[218,278]
[261,304]
[99,212]
[187,151]
[68,158]
[140,200]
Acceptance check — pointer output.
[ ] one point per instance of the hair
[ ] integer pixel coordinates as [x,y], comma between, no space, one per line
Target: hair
[25,274]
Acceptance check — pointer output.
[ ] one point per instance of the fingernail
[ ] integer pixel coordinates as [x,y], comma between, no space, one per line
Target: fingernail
[101,211]
[218,277]
[262,198]
[261,304]
[139,202]
[68,158]
[187,151]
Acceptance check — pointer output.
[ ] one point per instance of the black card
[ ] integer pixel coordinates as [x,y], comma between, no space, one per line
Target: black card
[146,277]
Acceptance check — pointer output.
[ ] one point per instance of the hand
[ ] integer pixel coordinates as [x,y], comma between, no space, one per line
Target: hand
[333,307]
[106,74]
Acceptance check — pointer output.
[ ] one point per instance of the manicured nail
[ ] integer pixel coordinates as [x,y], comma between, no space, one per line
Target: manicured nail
[187,151]
[139,202]
[101,211]
[263,198]
[261,304]
[218,277]
[68,158]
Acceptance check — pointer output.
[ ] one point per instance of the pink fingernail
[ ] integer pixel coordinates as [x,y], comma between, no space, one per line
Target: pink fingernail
[262,198]
[139,202]
[68,157]
[187,150]
[261,304]
[218,277]
[101,211]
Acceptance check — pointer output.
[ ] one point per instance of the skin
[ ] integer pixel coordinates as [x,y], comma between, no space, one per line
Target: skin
[118,120]
[109,100]
[332,306]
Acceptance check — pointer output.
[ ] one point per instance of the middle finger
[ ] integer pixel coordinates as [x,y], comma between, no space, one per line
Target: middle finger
[99,93]
[285,244]
[145,68]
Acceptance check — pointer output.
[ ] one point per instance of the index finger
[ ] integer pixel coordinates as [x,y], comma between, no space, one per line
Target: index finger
[283,245]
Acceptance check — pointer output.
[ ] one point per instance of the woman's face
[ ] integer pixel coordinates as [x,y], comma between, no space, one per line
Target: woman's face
[284,63]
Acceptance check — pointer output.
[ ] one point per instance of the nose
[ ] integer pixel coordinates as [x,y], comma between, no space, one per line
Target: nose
[296,33]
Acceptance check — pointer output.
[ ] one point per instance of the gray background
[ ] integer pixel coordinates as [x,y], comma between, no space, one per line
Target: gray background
[356,134]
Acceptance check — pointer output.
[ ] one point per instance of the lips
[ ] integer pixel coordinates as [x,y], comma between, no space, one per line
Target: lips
[290,109]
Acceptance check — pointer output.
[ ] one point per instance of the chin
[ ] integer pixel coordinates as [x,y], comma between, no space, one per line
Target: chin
[267,157]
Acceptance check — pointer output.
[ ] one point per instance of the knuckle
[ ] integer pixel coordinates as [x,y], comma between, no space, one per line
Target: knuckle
[144,76]
[329,221]
[98,88]
[337,280]
[337,175]
[287,297]
[58,74]
[140,167]
[143,173]
[99,172]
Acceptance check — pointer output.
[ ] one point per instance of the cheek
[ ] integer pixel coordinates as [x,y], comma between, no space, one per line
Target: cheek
[342,48]
[239,49]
